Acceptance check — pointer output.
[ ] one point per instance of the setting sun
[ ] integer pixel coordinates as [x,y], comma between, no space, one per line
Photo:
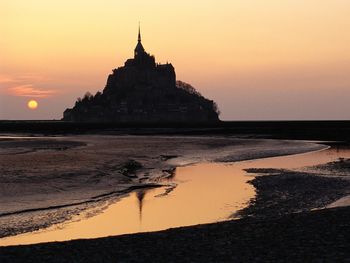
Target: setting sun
[32,104]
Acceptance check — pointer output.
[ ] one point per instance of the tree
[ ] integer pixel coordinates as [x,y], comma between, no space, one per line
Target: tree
[87,97]
[187,87]
[216,108]
[78,101]
[98,94]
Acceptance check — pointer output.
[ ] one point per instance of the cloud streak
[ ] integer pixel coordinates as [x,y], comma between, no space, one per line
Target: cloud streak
[29,90]
[25,86]
[6,79]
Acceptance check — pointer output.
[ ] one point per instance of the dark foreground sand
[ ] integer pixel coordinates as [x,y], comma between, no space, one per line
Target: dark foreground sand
[286,192]
[319,236]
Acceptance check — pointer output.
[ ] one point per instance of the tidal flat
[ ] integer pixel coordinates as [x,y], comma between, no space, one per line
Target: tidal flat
[113,166]
[46,181]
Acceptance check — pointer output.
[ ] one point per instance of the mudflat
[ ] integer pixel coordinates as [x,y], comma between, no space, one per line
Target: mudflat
[277,226]
[318,236]
[46,181]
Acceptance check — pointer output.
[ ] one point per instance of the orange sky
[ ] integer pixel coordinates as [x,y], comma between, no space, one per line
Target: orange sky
[258,59]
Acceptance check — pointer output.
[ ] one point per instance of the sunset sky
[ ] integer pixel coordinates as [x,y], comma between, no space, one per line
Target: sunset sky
[259,60]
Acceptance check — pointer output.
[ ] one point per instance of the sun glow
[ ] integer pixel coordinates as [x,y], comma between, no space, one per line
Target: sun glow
[291,55]
[32,104]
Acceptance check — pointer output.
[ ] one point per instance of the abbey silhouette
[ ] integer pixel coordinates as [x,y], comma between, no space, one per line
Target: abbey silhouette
[144,91]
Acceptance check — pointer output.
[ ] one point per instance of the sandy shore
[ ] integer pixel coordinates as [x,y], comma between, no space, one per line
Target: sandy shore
[45,181]
[281,192]
[319,236]
[276,227]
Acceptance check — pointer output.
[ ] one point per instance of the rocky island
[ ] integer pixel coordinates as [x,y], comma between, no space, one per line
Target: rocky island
[144,91]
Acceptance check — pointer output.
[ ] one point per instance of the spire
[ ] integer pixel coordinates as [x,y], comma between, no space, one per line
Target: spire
[139,38]
[139,48]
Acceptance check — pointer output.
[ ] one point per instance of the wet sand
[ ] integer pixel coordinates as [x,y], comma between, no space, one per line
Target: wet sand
[201,193]
[281,192]
[292,235]
[44,185]
[318,236]
[211,192]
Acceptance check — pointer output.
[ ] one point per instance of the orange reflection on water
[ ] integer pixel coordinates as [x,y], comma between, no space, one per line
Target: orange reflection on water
[205,193]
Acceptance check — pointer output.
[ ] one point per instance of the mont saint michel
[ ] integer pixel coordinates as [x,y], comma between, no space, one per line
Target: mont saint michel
[144,91]
[110,153]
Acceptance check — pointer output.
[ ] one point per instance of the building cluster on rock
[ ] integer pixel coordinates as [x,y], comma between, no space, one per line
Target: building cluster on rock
[144,91]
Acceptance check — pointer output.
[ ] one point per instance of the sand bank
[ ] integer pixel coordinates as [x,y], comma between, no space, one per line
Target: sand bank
[49,180]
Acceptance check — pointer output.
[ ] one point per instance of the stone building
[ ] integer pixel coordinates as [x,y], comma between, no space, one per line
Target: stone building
[144,91]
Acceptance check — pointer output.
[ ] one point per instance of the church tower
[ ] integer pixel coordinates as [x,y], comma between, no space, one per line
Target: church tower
[139,48]
[141,58]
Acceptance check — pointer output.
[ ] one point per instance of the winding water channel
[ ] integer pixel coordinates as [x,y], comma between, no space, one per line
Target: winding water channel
[207,192]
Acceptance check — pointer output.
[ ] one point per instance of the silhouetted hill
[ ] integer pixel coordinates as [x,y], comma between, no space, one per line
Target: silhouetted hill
[143,91]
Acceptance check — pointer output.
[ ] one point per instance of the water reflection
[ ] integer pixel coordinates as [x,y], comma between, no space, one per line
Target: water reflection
[205,193]
[140,196]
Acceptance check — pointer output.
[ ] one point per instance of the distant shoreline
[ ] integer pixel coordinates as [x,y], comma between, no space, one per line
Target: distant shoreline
[294,130]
